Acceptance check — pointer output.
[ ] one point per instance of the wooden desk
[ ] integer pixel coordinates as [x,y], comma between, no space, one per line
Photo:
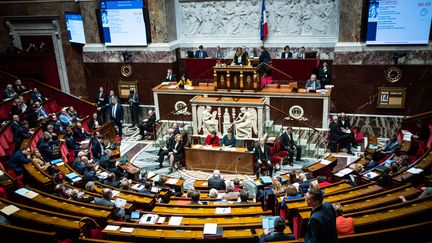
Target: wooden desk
[200,210]
[6,180]
[239,161]
[201,185]
[37,173]
[320,169]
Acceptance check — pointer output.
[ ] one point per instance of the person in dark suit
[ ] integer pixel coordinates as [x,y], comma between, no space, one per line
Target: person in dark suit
[170,77]
[41,113]
[240,58]
[36,96]
[9,92]
[71,144]
[22,133]
[176,129]
[278,233]
[201,53]
[97,145]
[264,60]
[216,181]
[288,144]
[321,226]
[147,124]
[313,83]
[19,87]
[107,162]
[262,157]
[117,115]
[134,107]
[106,201]
[287,54]
[79,133]
[17,160]
[94,122]
[177,153]
[15,124]
[338,136]
[169,146]
[101,101]
[344,121]
[325,74]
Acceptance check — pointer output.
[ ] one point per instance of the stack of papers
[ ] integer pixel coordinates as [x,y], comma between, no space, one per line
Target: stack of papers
[371,175]
[8,210]
[150,174]
[112,227]
[149,219]
[415,170]
[197,146]
[222,210]
[165,83]
[73,177]
[325,162]
[138,187]
[115,193]
[172,181]
[210,229]
[268,222]
[103,175]
[126,230]
[174,220]
[406,135]
[120,202]
[26,193]
[266,179]
[343,172]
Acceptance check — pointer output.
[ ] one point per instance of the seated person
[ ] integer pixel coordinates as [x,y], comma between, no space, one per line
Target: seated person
[338,136]
[292,192]
[106,201]
[22,133]
[391,145]
[94,122]
[344,226]
[90,186]
[212,139]
[125,184]
[147,124]
[229,140]
[9,92]
[142,176]
[238,184]
[45,146]
[169,146]
[201,53]
[79,133]
[262,157]
[372,162]
[39,160]
[216,181]
[65,119]
[78,196]
[313,83]
[230,194]
[71,144]
[57,126]
[288,144]
[277,234]
[244,196]
[147,188]
[108,163]
[73,114]
[427,191]
[184,81]
[213,193]
[218,54]
[111,180]
[195,196]
[177,154]
[304,183]
[170,76]
[36,96]
[240,58]
[287,54]
[18,160]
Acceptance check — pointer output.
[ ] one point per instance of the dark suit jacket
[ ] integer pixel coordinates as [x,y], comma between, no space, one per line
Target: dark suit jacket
[14,126]
[263,156]
[170,143]
[17,161]
[335,132]
[325,76]
[172,78]
[321,226]
[238,61]
[287,142]
[204,53]
[101,100]
[21,134]
[71,144]
[37,97]
[96,148]
[133,101]
[276,237]
[149,124]
[106,162]
[180,151]
[346,122]
[284,56]
[91,123]
[265,57]
[118,113]
[216,183]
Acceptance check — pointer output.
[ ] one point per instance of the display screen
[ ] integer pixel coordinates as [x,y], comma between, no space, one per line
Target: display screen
[75,28]
[399,22]
[123,23]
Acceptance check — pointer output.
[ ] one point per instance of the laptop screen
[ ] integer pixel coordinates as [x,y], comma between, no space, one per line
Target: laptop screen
[268,222]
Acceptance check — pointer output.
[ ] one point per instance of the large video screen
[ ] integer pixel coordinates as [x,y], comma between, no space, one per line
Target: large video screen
[399,22]
[75,28]
[123,23]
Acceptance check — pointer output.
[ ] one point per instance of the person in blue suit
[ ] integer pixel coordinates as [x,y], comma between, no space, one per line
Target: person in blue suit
[201,53]
[17,161]
[117,114]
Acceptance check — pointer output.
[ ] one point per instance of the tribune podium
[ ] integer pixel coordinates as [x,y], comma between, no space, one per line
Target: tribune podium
[236,77]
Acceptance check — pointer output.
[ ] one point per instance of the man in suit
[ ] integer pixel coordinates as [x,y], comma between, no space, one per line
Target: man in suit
[195,196]
[302,53]
[117,115]
[107,162]
[147,124]
[15,124]
[37,96]
[218,54]
[169,146]
[325,74]
[17,161]
[216,181]
[41,113]
[321,226]
[134,107]
[201,53]
[262,157]
[106,201]
[313,83]
[264,60]
[19,87]
[278,233]
[22,133]
[44,146]
[170,77]
[174,126]
[101,101]
[97,146]
[287,54]
[343,121]
[9,92]
[288,144]
[338,136]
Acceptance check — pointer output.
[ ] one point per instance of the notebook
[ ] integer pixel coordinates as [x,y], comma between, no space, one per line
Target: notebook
[73,177]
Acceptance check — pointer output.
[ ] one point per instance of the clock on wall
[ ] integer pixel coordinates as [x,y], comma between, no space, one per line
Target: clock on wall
[393,74]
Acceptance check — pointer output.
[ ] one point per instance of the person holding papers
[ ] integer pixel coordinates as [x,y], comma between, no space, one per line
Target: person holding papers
[313,83]
[212,139]
[177,154]
[277,234]
[229,140]
[184,81]
[106,201]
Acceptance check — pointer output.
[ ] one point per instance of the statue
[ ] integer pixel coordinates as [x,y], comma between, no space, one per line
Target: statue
[207,120]
[246,122]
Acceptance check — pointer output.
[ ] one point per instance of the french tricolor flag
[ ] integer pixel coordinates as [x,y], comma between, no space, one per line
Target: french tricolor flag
[264,26]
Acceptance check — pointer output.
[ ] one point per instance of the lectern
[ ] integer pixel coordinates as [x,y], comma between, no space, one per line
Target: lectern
[236,77]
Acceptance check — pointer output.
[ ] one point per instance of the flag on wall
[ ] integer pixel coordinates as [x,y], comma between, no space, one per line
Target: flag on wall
[264,26]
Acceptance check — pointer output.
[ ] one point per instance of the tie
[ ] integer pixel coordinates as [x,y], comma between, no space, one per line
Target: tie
[113,111]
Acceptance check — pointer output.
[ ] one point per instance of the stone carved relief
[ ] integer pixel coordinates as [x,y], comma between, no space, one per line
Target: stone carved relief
[207,120]
[242,18]
[246,123]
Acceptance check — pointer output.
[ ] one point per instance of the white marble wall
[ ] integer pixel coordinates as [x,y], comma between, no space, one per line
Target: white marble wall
[228,22]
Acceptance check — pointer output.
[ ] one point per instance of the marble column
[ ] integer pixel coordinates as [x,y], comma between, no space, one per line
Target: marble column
[162,20]
[350,17]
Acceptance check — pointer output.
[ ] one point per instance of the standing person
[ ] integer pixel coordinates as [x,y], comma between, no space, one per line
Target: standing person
[325,74]
[134,107]
[240,58]
[301,54]
[264,60]
[321,226]
[201,53]
[170,77]
[288,144]
[218,54]
[262,156]
[101,101]
[117,115]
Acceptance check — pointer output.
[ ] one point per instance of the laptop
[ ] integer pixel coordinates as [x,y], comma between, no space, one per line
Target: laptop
[268,222]
[135,215]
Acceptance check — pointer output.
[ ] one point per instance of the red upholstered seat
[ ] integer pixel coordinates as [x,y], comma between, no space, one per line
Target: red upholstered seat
[2,152]
[8,135]
[3,143]
[50,106]
[358,136]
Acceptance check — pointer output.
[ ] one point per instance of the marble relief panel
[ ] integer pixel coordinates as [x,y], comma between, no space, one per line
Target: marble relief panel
[137,56]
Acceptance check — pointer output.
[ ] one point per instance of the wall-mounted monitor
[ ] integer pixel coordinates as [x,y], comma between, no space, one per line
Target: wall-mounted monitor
[399,22]
[75,28]
[123,22]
